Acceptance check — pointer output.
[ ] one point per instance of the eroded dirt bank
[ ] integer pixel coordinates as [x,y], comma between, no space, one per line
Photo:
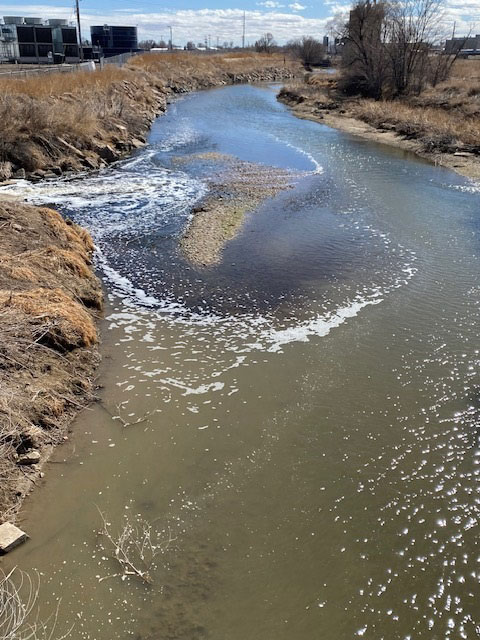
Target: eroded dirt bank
[350,117]
[50,300]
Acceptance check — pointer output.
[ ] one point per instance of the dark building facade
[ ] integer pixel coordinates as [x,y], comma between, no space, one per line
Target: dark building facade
[31,40]
[114,40]
[468,44]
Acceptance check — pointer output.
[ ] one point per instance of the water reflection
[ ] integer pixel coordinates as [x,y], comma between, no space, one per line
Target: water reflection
[310,404]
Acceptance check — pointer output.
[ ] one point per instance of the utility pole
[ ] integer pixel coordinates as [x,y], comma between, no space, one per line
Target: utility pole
[243,33]
[171,39]
[77,10]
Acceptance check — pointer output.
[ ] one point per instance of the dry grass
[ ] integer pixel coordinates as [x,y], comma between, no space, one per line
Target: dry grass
[445,118]
[38,114]
[72,234]
[44,251]
[439,129]
[64,121]
[62,323]
[46,335]
[53,84]
[181,72]
[171,66]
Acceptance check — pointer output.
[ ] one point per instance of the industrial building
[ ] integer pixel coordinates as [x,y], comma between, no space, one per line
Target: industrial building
[33,40]
[469,45]
[114,40]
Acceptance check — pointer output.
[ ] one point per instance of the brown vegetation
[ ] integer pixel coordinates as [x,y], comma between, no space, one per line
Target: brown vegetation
[48,300]
[71,122]
[388,49]
[443,119]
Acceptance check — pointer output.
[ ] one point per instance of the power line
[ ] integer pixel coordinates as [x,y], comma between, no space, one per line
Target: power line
[77,10]
[243,33]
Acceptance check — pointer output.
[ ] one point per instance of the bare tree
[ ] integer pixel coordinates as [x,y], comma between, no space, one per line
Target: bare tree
[308,49]
[412,27]
[363,58]
[388,48]
[440,66]
[265,44]
[146,44]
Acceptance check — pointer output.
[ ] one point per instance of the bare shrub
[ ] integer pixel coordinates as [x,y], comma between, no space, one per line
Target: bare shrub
[388,48]
[309,50]
[266,43]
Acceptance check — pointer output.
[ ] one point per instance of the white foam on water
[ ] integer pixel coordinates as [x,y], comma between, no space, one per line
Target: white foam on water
[134,197]
[249,332]
[318,327]
[138,196]
[470,185]
[318,167]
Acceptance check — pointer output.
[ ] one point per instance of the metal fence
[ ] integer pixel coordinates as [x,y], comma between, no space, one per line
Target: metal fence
[89,65]
[119,60]
[46,70]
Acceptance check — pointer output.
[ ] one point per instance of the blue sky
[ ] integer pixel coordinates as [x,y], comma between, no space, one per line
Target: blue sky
[195,19]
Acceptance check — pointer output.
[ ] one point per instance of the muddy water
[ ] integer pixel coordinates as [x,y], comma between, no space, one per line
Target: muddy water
[307,409]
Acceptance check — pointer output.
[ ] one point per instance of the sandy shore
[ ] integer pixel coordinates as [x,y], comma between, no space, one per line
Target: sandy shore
[235,189]
[465,164]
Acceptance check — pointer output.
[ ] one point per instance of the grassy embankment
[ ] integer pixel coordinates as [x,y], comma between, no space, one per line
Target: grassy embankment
[442,121]
[71,122]
[49,295]
[49,300]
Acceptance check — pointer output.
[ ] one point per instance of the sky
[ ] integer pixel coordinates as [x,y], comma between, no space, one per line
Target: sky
[196,19]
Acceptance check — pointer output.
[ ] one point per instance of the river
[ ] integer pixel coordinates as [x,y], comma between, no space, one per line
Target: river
[301,418]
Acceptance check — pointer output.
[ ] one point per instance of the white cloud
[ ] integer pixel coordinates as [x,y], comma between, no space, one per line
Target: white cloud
[226,24]
[296,6]
[270,4]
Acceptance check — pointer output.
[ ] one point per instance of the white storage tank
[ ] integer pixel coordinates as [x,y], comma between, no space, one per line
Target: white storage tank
[13,19]
[57,22]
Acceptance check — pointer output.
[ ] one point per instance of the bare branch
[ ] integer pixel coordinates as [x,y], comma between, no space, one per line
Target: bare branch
[135,547]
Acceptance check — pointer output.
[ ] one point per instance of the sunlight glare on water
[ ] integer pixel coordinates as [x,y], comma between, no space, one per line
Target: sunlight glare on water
[302,416]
